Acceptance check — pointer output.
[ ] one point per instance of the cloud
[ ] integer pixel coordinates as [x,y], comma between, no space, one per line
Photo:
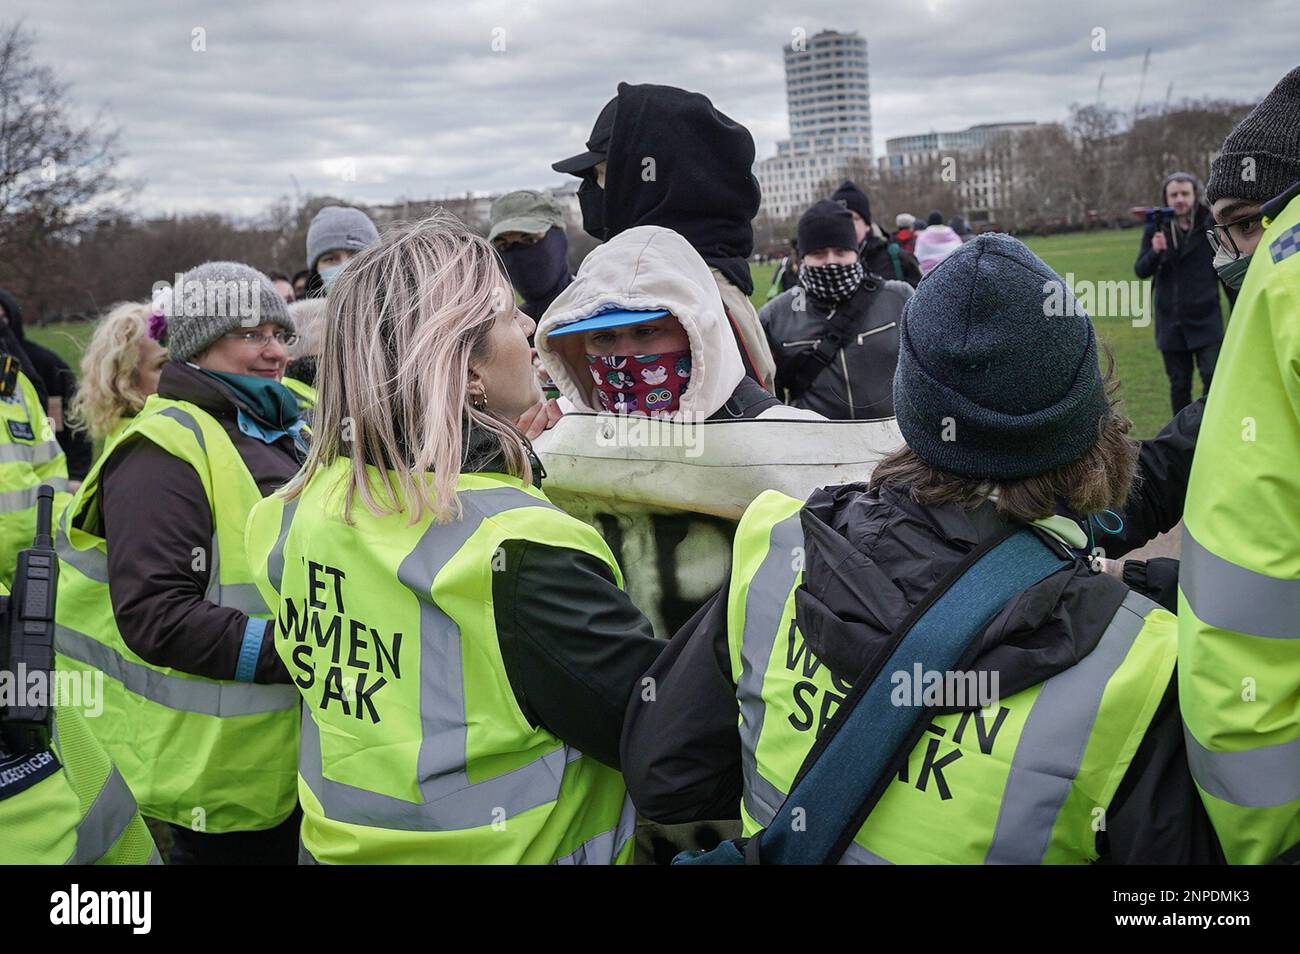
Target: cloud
[421,99]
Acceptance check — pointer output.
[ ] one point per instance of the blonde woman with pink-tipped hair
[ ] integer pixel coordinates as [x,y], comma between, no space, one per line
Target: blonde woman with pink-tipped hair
[464,649]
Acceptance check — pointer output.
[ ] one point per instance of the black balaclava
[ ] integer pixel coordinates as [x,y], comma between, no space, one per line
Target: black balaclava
[539,272]
[677,162]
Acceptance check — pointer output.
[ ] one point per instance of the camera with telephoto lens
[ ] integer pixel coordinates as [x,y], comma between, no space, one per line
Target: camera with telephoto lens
[27,635]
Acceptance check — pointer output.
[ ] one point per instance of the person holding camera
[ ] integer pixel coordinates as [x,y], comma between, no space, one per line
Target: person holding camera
[1177,257]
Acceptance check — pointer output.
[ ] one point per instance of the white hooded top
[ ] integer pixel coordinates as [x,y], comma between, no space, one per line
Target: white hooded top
[648,268]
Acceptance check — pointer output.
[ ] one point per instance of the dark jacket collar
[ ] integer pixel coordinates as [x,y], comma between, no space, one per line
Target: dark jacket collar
[483,454]
[870,557]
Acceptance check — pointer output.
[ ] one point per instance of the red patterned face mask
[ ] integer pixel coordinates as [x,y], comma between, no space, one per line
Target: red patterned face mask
[640,383]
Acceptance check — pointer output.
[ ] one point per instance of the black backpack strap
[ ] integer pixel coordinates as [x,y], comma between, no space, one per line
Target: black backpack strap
[802,370]
[851,764]
[749,400]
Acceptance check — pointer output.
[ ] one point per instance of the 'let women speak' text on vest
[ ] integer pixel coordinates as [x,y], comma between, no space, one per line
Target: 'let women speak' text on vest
[1027,782]
[414,748]
[212,755]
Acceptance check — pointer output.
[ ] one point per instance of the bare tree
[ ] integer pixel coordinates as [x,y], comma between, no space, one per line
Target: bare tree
[1183,139]
[57,176]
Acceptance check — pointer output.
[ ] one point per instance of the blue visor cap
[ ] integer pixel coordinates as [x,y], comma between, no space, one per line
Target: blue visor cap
[608,319]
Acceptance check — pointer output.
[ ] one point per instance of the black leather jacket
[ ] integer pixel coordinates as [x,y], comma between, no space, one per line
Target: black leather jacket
[859,383]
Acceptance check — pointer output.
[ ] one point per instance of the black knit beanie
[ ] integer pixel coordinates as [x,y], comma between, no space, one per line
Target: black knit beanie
[853,199]
[997,375]
[827,224]
[1270,138]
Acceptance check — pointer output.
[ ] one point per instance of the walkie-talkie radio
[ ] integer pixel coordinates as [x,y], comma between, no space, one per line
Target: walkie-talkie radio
[27,634]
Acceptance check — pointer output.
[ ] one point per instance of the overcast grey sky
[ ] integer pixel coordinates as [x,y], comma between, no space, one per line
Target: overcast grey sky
[416,97]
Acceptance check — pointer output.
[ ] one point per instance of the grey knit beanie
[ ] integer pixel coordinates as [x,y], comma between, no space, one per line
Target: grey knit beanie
[997,375]
[216,298]
[338,226]
[1269,137]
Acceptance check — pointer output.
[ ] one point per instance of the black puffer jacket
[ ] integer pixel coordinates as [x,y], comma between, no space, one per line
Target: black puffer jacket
[870,558]
[859,383]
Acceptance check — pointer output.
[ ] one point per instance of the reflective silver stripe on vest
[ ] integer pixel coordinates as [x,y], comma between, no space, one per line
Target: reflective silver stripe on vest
[449,801]
[221,699]
[112,811]
[34,454]
[604,848]
[186,419]
[764,603]
[1052,742]
[275,563]
[91,563]
[12,501]
[245,597]
[1254,778]
[855,854]
[1231,597]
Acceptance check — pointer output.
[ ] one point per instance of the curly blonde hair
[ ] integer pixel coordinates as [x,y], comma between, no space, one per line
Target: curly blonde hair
[109,388]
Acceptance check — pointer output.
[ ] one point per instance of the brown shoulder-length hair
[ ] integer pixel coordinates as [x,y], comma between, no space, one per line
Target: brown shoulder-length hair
[1100,478]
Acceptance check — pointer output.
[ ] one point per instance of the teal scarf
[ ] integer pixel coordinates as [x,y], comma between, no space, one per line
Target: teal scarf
[266,398]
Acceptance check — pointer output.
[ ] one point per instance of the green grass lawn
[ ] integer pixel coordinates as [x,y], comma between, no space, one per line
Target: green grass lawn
[1091,256]
[1096,257]
[68,340]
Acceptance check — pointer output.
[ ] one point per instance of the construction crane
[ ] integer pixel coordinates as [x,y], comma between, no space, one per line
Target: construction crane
[1146,65]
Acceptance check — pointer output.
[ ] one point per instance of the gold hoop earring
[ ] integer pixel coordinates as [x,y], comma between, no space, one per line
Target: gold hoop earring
[479,401]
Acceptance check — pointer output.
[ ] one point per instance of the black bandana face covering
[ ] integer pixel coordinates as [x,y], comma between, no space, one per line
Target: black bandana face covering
[835,283]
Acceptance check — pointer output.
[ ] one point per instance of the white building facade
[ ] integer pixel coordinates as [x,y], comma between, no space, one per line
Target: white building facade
[828,97]
[980,161]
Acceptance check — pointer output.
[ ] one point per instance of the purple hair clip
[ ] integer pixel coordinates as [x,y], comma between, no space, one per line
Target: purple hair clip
[157,326]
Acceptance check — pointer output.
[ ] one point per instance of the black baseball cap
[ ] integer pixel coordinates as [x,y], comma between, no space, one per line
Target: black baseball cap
[597,145]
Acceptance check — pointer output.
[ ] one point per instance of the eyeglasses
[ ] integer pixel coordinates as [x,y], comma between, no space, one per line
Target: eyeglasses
[261,340]
[1222,237]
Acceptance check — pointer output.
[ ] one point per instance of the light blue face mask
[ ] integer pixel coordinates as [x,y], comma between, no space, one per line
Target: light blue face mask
[327,275]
